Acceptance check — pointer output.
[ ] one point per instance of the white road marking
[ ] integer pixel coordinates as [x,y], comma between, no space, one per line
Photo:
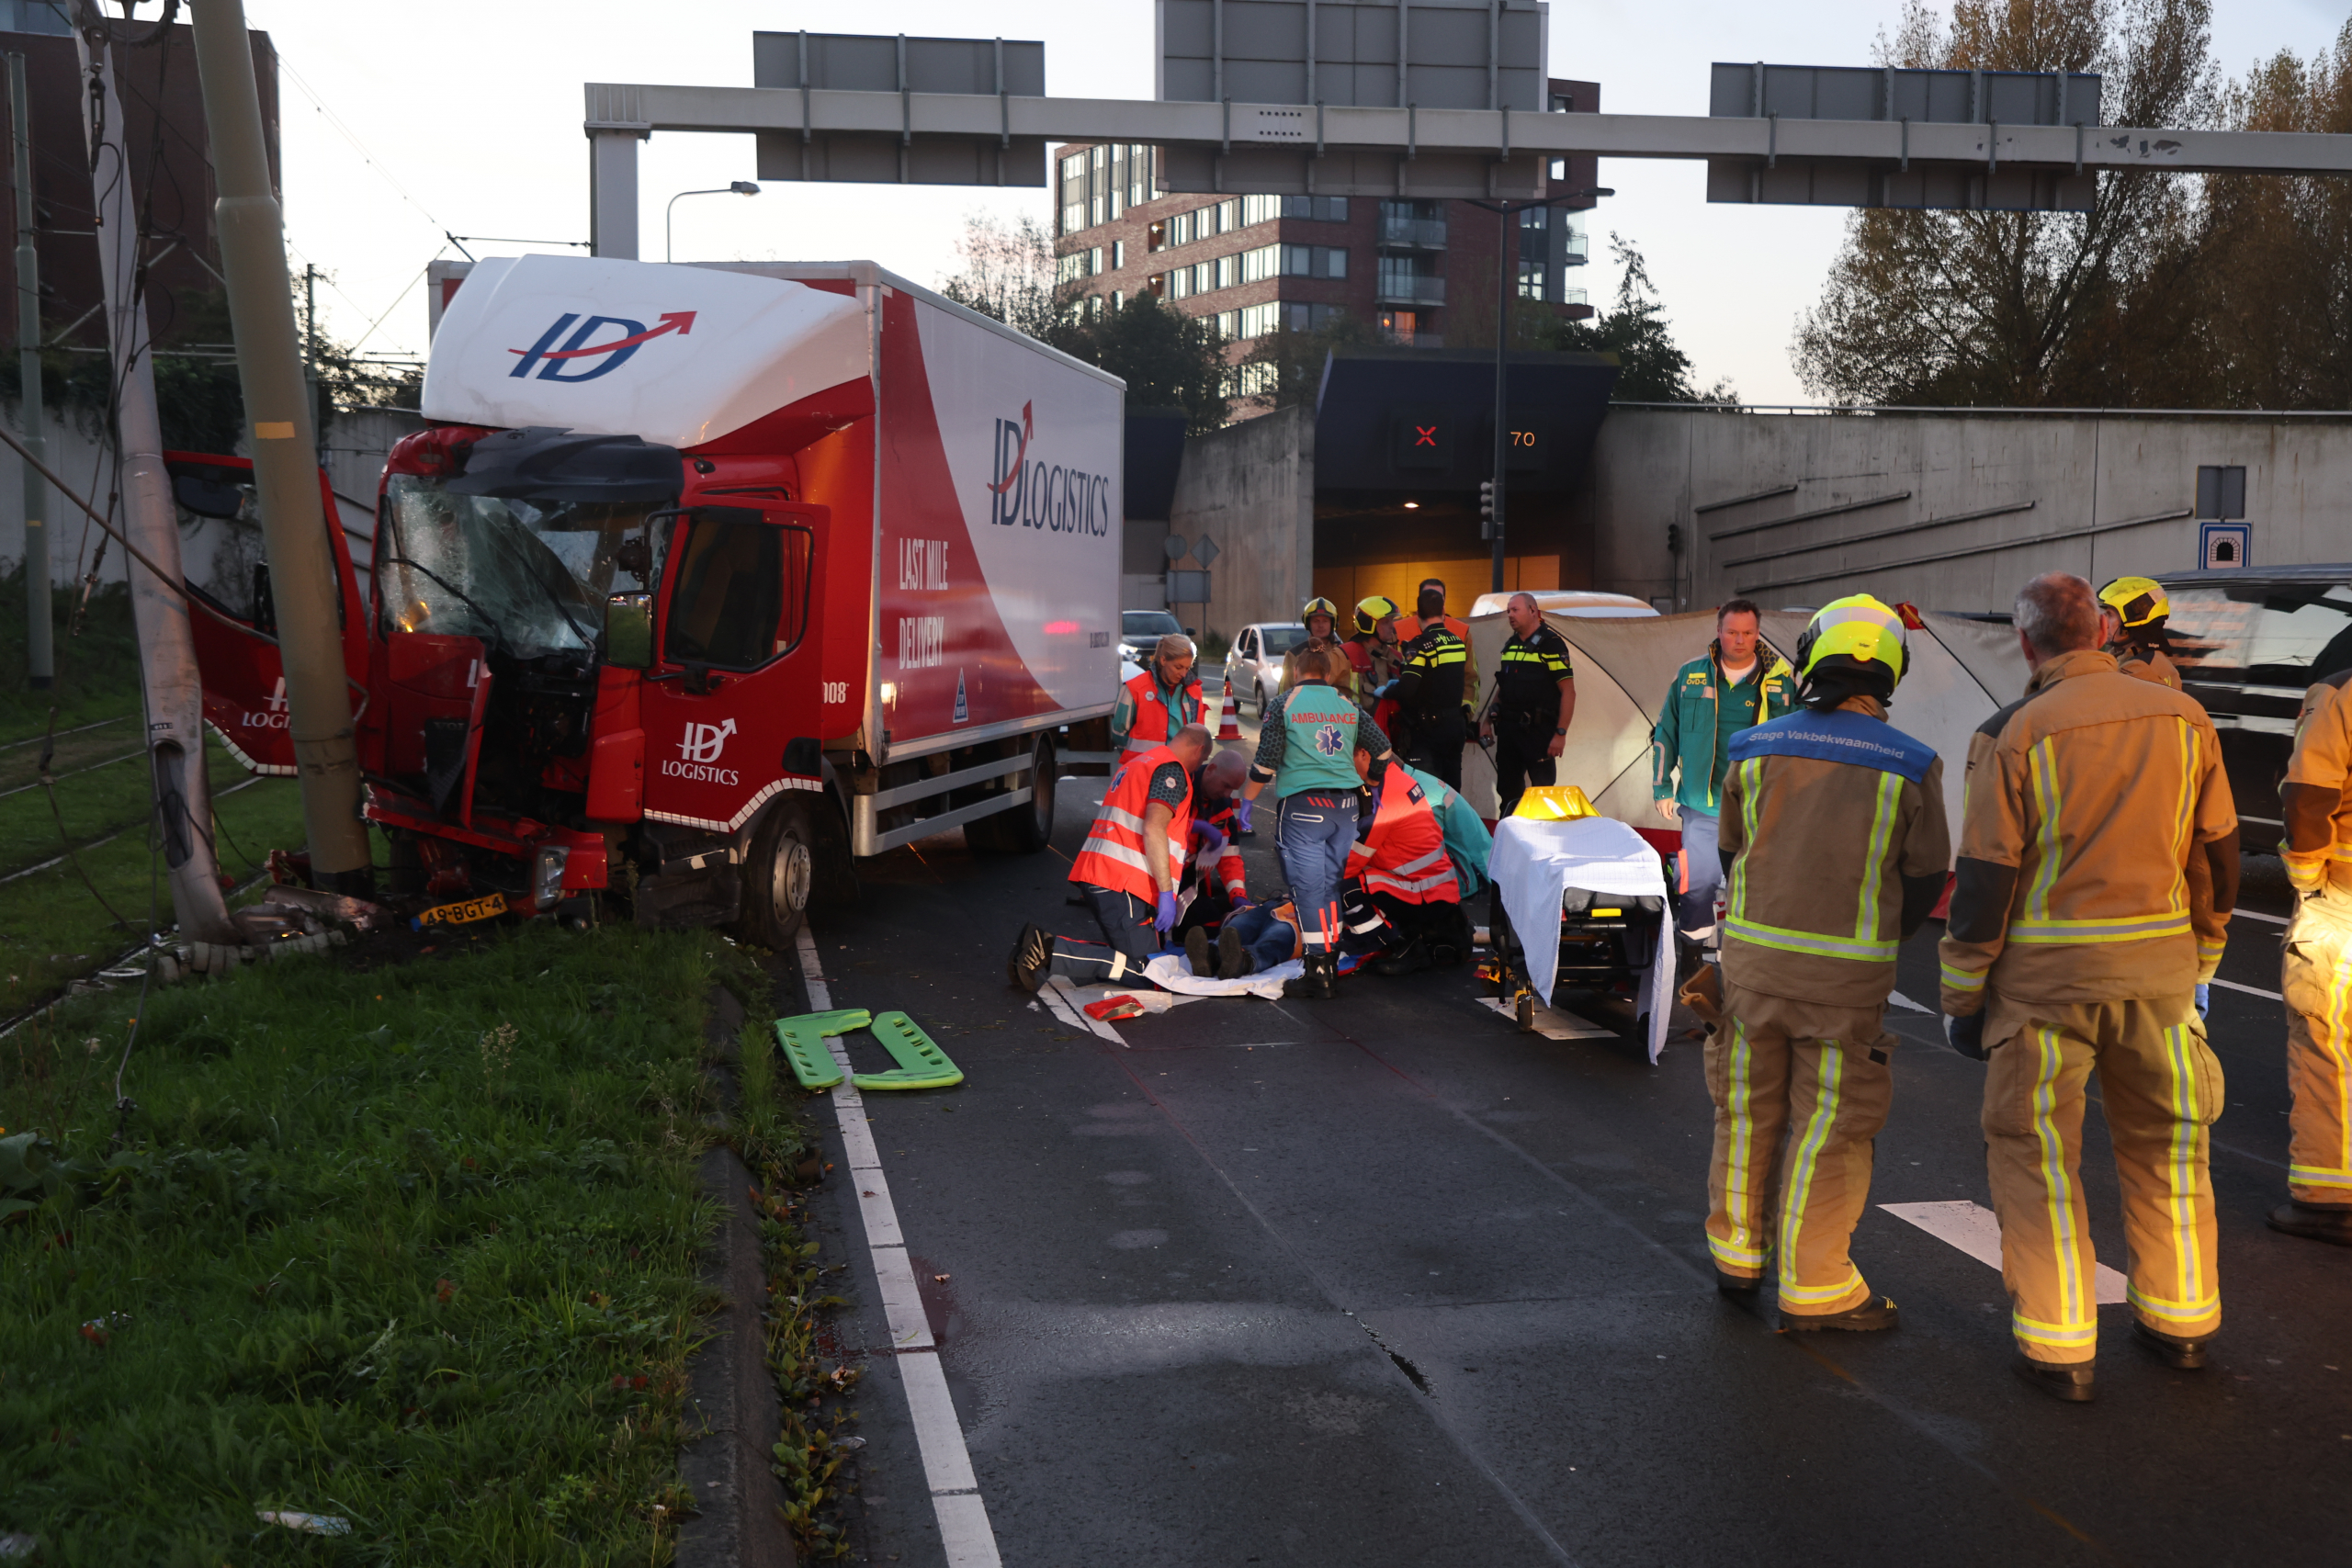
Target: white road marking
[1553,1023]
[963,1527]
[1899,999]
[1062,997]
[1973,1228]
[2259,915]
[2249,991]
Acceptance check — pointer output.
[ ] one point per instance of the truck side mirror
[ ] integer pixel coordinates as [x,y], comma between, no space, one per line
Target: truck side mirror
[629,631]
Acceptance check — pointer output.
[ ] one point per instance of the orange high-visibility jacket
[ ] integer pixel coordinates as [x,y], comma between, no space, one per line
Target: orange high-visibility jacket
[1155,723]
[1113,855]
[1404,853]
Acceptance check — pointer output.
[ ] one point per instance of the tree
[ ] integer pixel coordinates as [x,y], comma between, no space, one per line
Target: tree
[1286,366]
[1009,274]
[1650,367]
[2091,309]
[1168,360]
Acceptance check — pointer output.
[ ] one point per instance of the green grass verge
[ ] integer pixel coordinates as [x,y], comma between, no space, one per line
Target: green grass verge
[414,1247]
[97,668]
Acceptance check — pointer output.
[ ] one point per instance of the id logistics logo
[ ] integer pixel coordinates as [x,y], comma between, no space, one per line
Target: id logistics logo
[698,748]
[1038,494]
[577,359]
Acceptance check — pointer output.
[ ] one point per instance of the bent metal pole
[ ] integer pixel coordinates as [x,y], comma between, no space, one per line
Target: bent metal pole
[286,477]
[175,691]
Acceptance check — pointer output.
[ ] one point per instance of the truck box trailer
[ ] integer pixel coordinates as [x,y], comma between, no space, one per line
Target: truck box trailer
[704,580]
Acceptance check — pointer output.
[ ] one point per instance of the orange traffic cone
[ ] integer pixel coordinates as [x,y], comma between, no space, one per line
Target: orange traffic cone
[1227,727]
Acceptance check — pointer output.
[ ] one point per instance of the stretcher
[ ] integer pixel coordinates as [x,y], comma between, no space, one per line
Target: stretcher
[1582,902]
[921,1064]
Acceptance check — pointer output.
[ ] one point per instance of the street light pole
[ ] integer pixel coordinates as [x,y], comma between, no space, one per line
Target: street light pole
[740,187]
[1506,210]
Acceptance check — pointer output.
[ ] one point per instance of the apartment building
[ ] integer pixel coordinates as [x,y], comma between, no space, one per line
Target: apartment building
[1421,272]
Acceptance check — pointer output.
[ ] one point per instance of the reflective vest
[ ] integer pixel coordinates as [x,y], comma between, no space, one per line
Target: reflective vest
[1410,628]
[1403,854]
[1155,725]
[1112,854]
[1318,740]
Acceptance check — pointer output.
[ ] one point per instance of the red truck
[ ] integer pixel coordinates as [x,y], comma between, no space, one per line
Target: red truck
[704,580]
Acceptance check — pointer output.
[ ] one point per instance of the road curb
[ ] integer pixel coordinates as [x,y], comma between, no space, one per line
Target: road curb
[733,1415]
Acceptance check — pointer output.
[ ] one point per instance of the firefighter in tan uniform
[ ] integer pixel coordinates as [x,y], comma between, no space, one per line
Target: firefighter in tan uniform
[1835,844]
[2133,612]
[2315,968]
[2071,946]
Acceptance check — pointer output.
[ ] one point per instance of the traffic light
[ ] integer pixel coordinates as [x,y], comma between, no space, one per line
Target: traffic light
[1485,509]
[1674,538]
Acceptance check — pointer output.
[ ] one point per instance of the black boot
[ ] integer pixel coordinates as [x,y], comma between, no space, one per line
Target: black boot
[1196,952]
[2317,1221]
[2177,1350]
[1315,984]
[1879,1312]
[2068,1381]
[1411,961]
[1032,960]
[1232,958]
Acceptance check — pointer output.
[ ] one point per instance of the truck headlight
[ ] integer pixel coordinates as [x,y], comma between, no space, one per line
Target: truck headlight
[546,876]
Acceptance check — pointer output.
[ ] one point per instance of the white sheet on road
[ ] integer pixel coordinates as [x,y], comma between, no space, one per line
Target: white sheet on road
[1176,975]
[1535,863]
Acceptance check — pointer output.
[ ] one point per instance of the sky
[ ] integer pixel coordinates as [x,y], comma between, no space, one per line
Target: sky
[400,124]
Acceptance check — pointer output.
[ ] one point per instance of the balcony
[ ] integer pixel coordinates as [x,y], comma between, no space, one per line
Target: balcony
[1412,233]
[1408,288]
[1575,250]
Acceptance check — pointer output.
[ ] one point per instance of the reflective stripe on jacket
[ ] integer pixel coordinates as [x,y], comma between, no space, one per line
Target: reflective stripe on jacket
[1402,852]
[1112,856]
[1827,813]
[2086,799]
[1412,627]
[1144,709]
[2212,931]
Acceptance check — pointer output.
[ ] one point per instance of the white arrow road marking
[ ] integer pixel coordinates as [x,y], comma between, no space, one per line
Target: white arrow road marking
[1973,1228]
[963,1527]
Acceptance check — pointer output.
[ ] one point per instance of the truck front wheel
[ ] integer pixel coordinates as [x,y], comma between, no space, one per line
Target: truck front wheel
[780,877]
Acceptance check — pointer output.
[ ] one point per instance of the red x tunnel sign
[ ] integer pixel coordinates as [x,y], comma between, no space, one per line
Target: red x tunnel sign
[1424,439]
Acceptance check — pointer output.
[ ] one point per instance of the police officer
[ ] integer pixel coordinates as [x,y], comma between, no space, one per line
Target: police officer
[1738,683]
[1433,703]
[2132,610]
[1835,838]
[1430,603]
[2317,799]
[1535,696]
[2069,949]
[1158,700]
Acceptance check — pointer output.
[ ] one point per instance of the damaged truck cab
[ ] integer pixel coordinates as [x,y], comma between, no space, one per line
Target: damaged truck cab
[703,582]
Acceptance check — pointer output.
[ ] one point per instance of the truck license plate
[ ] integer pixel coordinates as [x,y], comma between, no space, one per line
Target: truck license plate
[464,912]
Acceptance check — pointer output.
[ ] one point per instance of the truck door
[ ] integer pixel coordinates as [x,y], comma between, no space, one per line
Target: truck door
[735,676]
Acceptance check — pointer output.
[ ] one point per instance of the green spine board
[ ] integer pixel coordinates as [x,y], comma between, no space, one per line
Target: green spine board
[812,1063]
[921,1064]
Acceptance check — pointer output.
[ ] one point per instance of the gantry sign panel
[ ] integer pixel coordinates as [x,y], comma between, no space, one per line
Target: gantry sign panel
[881,62]
[1991,99]
[1279,64]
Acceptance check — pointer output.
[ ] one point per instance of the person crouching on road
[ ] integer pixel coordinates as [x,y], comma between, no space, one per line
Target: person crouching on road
[2069,947]
[1407,895]
[1220,882]
[1736,683]
[1432,695]
[1834,842]
[1128,869]
[1158,702]
[1534,702]
[2133,612]
[2313,965]
[1307,741]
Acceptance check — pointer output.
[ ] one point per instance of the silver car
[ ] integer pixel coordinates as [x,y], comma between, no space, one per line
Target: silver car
[1253,668]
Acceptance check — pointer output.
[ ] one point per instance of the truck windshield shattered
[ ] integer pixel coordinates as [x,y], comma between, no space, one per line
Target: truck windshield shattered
[528,577]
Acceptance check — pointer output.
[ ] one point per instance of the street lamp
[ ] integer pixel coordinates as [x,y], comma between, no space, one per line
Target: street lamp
[1508,211]
[740,187]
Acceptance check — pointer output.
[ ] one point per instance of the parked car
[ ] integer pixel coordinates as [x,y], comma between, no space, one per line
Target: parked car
[1141,631]
[1253,668]
[2248,645]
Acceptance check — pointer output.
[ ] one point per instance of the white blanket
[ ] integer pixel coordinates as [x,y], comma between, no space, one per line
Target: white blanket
[1534,863]
[1176,974]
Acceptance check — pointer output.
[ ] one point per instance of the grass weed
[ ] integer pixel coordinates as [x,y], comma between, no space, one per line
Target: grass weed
[415,1247]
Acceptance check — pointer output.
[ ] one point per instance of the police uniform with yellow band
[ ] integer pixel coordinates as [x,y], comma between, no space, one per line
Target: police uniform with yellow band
[1430,701]
[2315,967]
[2070,946]
[1835,845]
[1528,678]
[2141,607]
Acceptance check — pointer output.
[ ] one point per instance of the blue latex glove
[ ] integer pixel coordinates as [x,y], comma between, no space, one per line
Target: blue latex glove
[1385,690]
[1966,1035]
[1241,814]
[1212,838]
[1165,921]
[2204,1000]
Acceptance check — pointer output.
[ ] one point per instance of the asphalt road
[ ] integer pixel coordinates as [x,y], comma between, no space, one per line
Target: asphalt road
[1382,1280]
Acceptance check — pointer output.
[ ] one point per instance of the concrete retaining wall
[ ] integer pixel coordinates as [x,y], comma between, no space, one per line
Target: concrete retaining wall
[1251,487]
[2095,493]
